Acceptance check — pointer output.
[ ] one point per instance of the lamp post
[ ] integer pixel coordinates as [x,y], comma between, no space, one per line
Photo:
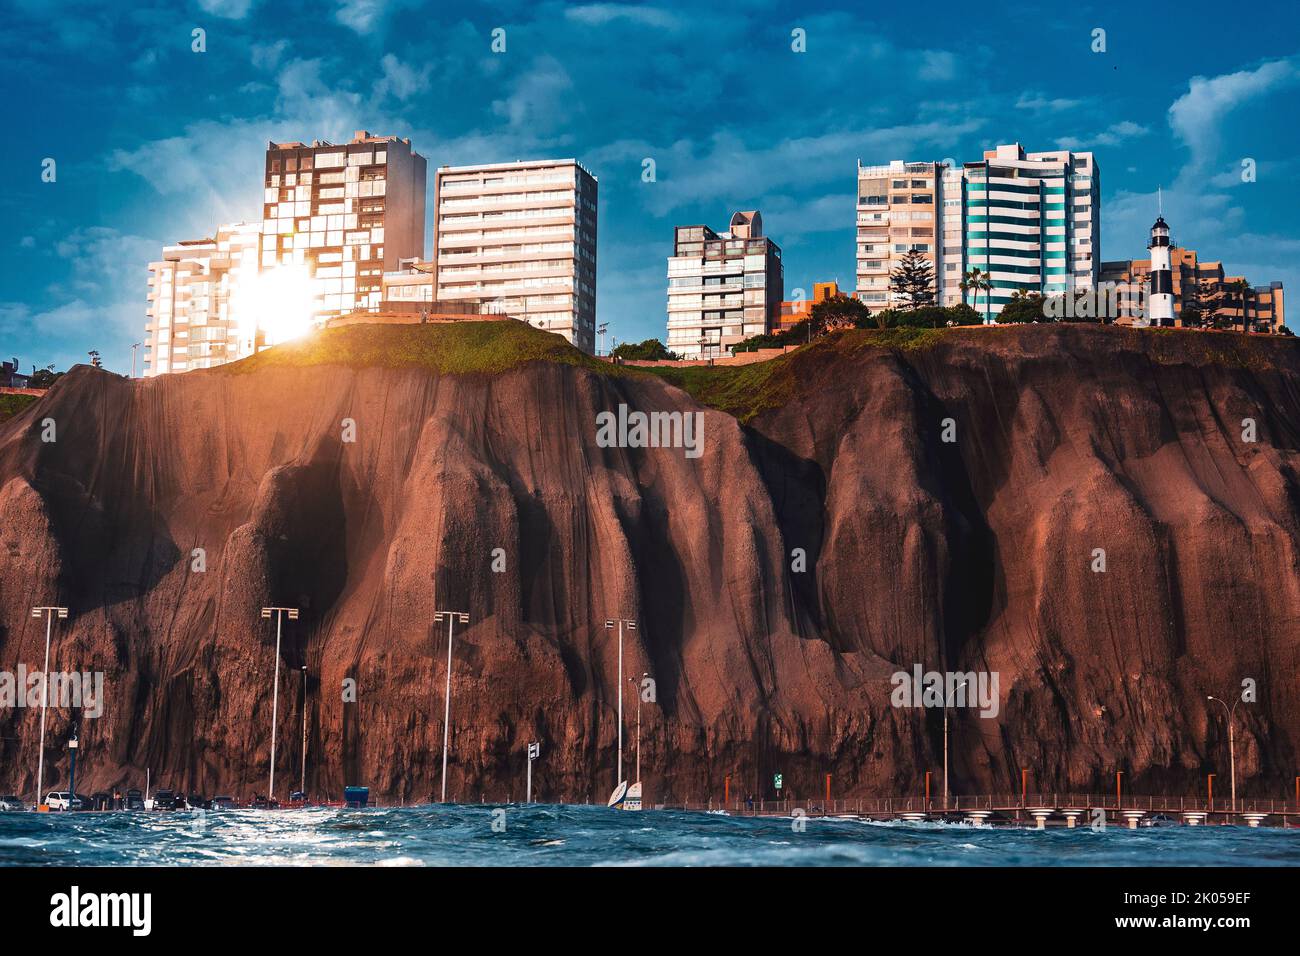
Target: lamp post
[302,781]
[49,614]
[634,683]
[534,751]
[72,775]
[1232,747]
[631,626]
[947,702]
[280,612]
[450,617]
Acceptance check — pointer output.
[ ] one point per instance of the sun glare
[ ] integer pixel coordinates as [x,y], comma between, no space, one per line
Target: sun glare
[278,302]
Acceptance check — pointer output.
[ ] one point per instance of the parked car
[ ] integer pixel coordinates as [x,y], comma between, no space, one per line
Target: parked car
[100,800]
[62,800]
[196,801]
[11,804]
[134,800]
[164,800]
[223,803]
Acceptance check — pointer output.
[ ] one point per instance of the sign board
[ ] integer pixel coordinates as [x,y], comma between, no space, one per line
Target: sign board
[777,780]
[534,751]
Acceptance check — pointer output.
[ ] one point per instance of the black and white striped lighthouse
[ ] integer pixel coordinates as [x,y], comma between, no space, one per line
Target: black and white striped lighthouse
[1160,300]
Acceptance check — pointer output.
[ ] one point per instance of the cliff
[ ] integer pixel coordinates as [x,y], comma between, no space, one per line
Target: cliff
[370,475]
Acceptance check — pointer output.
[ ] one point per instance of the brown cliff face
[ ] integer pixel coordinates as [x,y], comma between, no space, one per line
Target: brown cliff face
[971,555]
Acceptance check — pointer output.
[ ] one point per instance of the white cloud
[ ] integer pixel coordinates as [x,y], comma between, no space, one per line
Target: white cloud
[227,9]
[1197,116]
[400,80]
[600,14]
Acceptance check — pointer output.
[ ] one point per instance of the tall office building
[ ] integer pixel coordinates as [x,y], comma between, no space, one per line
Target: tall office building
[722,287]
[1026,220]
[520,238]
[193,319]
[342,215]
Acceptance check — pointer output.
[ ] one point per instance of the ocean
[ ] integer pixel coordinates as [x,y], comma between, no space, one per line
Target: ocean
[550,835]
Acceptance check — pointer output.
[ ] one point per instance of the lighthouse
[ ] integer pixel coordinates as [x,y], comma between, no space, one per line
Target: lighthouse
[1160,300]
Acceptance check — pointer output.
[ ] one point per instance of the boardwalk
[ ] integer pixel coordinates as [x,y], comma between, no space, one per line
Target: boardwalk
[1040,809]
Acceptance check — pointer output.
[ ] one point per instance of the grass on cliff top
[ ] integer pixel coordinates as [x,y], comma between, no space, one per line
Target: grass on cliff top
[11,405]
[452,348]
[744,391]
[748,390]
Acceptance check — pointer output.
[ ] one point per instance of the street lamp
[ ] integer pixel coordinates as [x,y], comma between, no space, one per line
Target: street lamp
[1232,747]
[631,626]
[633,681]
[302,782]
[49,613]
[450,617]
[947,702]
[280,612]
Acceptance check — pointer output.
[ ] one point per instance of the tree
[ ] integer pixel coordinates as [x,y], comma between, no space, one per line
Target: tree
[43,377]
[1024,306]
[651,350]
[974,281]
[913,280]
[839,312]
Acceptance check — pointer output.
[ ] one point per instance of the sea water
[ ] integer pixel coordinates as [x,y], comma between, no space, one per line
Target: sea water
[549,835]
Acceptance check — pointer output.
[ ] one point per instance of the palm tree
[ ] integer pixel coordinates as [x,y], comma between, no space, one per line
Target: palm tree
[1240,290]
[976,281]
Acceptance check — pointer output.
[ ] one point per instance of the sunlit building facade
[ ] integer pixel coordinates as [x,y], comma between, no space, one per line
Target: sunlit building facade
[193,317]
[723,287]
[337,216]
[519,239]
[1026,221]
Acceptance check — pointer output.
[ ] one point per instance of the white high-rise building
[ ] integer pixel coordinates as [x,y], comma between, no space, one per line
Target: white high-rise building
[1026,221]
[1032,222]
[520,239]
[723,287]
[193,319]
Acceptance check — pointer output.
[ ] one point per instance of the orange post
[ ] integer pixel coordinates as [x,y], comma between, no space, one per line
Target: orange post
[828,788]
[726,789]
[1209,789]
[1118,791]
[927,787]
[1024,786]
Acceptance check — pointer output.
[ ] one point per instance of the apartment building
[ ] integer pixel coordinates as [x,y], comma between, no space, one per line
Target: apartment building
[1027,220]
[520,239]
[723,287]
[898,206]
[1032,222]
[193,318]
[342,215]
[1195,280]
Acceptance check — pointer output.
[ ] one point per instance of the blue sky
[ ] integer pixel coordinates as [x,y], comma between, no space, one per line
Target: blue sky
[155,143]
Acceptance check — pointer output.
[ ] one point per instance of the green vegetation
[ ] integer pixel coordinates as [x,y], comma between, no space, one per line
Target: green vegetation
[651,350]
[913,280]
[744,391]
[453,348]
[11,405]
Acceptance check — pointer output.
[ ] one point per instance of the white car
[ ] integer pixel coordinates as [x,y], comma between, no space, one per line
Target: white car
[62,800]
[10,803]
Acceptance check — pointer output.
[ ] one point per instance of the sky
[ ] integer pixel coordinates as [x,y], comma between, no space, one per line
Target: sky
[153,142]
